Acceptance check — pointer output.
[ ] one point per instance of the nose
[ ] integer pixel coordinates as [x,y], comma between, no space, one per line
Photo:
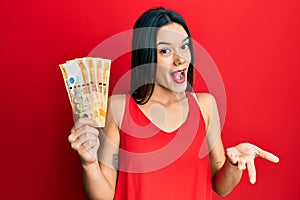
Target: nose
[178,60]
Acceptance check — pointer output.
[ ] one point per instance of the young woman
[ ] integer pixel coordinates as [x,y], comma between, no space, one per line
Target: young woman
[149,148]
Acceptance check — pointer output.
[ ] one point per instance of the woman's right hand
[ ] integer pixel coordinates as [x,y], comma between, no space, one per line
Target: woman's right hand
[84,139]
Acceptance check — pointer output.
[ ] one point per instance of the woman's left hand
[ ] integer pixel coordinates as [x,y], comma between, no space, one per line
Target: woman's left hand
[243,156]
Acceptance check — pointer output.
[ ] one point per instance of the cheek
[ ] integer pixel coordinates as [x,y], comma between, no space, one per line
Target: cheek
[162,74]
[187,56]
[161,71]
[164,60]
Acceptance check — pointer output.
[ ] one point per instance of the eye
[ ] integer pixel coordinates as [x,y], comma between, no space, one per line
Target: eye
[165,51]
[185,46]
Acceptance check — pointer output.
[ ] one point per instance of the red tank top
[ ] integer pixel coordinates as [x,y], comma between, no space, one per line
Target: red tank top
[157,165]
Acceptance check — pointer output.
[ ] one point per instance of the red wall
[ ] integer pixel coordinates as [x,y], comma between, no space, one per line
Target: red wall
[255,44]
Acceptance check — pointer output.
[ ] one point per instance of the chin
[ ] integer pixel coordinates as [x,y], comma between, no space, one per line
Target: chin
[179,88]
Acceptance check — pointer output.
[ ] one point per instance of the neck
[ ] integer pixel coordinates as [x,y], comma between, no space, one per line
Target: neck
[166,96]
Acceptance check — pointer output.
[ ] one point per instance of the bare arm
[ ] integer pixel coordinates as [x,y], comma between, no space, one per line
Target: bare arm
[224,176]
[98,159]
[227,167]
[221,184]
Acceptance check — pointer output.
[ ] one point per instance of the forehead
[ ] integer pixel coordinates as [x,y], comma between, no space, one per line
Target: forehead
[171,33]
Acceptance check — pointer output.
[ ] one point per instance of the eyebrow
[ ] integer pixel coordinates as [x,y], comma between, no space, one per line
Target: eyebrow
[167,43]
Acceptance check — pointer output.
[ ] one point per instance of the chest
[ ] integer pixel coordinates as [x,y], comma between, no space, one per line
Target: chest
[169,117]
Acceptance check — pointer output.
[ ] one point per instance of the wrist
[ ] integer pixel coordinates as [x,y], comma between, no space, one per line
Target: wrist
[233,167]
[231,163]
[87,165]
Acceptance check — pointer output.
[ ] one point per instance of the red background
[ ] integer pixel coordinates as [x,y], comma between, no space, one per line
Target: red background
[255,44]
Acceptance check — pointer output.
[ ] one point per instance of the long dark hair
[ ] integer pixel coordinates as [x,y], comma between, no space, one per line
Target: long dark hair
[144,52]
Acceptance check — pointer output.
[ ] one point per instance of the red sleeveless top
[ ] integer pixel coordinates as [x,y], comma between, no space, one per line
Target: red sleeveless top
[157,165]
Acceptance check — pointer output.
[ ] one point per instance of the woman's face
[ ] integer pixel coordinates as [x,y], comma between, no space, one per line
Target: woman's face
[173,57]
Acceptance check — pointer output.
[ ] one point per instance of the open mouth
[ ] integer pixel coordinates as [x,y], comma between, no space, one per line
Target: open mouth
[178,76]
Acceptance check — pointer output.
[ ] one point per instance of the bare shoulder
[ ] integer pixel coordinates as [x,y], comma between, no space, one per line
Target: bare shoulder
[205,100]
[116,107]
[114,116]
[204,96]
[118,98]
[207,104]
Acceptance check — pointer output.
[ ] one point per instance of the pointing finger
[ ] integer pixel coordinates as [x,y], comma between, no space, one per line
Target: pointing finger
[251,170]
[268,156]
